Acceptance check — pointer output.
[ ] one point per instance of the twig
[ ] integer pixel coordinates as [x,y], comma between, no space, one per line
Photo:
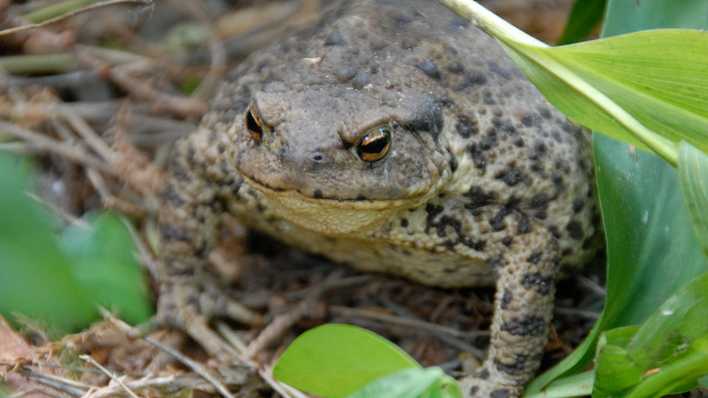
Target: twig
[66,386]
[89,135]
[414,323]
[108,373]
[71,14]
[44,143]
[193,365]
[133,385]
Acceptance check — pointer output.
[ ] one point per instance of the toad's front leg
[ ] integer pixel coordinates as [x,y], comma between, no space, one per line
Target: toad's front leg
[190,292]
[523,308]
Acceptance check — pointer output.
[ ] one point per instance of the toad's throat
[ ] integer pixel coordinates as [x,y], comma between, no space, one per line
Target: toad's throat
[331,216]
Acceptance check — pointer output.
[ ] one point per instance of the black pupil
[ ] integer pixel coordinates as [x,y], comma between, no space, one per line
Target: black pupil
[378,144]
[252,125]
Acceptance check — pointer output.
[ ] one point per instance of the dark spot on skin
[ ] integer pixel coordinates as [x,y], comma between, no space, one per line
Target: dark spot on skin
[554,231]
[478,198]
[575,230]
[344,74]
[529,120]
[408,43]
[544,112]
[511,176]
[399,18]
[539,148]
[534,280]
[428,118]
[524,225]
[473,391]
[317,194]
[458,23]
[172,197]
[527,326]
[361,79]
[453,164]
[456,68]
[515,368]
[499,71]
[466,126]
[483,374]
[429,68]
[472,79]
[335,38]
[506,299]
[507,241]
[488,98]
[500,393]
[541,214]
[519,142]
[489,141]
[557,181]
[477,155]
[170,232]
[535,257]
[578,205]
[556,136]
[539,201]
[404,222]
[497,221]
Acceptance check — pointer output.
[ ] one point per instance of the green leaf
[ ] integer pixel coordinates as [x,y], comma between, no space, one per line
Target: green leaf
[411,383]
[583,18]
[61,283]
[615,370]
[35,276]
[693,174]
[578,385]
[103,261]
[335,360]
[673,342]
[650,248]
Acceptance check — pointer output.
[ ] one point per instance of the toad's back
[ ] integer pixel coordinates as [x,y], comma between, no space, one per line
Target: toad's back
[488,158]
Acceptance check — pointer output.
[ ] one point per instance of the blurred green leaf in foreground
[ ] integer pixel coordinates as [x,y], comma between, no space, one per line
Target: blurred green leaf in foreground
[60,282]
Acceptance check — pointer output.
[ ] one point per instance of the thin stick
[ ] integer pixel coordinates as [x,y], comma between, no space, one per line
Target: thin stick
[108,373]
[414,323]
[47,144]
[71,14]
[193,365]
[66,386]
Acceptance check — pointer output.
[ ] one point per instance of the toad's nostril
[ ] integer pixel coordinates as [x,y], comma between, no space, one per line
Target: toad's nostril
[254,127]
[317,157]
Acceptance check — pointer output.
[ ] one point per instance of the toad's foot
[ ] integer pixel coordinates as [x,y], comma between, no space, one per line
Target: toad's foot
[189,305]
[482,385]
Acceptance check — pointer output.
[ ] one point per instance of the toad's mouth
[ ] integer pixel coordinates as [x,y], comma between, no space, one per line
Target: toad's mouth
[325,201]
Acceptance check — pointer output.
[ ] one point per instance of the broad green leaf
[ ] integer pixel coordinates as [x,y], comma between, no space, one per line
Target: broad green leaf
[61,283]
[103,261]
[409,383]
[584,17]
[693,172]
[35,275]
[335,360]
[658,76]
[650,248]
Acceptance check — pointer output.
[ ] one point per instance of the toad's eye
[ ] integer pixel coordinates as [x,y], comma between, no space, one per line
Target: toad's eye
[254,124]
[375,144]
